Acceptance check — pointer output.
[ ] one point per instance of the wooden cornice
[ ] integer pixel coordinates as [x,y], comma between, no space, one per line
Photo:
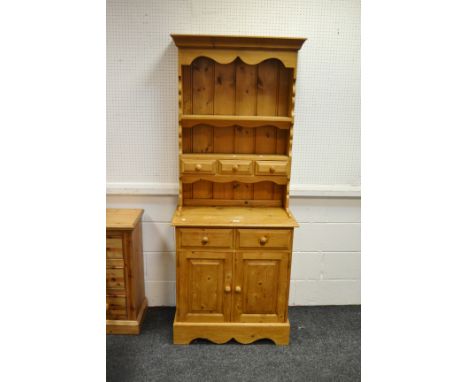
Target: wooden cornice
[238,42]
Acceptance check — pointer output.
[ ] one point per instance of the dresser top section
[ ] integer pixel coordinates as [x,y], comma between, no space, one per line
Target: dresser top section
[266,217]
[234,42]
[122,218]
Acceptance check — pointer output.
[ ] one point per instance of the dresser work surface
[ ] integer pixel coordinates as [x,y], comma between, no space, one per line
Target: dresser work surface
[233,217]
[234,229]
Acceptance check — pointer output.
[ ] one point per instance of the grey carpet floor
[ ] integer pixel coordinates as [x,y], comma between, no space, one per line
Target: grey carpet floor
[324,346]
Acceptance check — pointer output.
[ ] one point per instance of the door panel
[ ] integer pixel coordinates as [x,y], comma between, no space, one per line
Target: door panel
[204,288]
[261,286]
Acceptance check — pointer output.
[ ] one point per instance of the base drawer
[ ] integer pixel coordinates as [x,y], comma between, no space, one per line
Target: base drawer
[262,238]
[202,238]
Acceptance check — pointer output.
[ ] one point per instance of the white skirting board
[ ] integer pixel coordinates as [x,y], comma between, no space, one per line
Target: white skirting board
[326,253]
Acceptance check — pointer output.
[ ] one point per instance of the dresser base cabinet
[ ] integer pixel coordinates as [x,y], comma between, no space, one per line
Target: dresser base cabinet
[125,289]
[233,283]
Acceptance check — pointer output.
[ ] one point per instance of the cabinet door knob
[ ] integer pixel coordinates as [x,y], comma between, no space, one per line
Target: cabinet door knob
[263,240]
[272,170]
[235,167]
[227,288]
[198,167]
[204,239]
[238,289]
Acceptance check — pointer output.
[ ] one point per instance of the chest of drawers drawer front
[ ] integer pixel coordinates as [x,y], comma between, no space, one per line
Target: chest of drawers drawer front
[229,166]
[271,168]
[115,263]
[198,166]
[116,307]
[115,278]
[205,238]
[258,238]
[114,248]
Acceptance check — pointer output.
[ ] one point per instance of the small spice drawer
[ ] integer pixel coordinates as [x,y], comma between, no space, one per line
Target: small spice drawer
[198,166]
[211,238]
[243,167]
[271,168]
[114,247]
[115,278]
[259,238]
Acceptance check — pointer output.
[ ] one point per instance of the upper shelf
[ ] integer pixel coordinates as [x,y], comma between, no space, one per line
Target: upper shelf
[190,120]
[235,42]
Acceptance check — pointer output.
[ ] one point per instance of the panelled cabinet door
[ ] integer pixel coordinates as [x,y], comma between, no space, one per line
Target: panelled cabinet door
[261,286]
[205,280]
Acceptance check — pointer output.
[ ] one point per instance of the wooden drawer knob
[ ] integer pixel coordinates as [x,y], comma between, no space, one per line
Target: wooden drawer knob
[204,239]
[238,289]
[198,167]
[263,240]
[272,170]
[235,167]
[107,306]
[227,288]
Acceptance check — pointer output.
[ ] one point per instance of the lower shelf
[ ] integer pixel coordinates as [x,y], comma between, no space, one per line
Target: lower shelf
[245,333]
[127,326]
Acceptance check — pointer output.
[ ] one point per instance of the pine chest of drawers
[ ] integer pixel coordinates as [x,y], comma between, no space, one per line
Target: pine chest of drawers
[234,229]
[125,289]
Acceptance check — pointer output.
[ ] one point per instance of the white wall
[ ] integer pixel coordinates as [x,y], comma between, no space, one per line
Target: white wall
[326,253]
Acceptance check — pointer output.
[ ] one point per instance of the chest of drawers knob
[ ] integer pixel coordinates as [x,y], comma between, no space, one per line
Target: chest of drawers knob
[272,170]
[204,240]
[235,168]
[198,167]
[227,288]
[238,289]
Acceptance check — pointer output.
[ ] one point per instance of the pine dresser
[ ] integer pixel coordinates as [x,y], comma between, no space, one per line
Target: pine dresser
[234,229]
